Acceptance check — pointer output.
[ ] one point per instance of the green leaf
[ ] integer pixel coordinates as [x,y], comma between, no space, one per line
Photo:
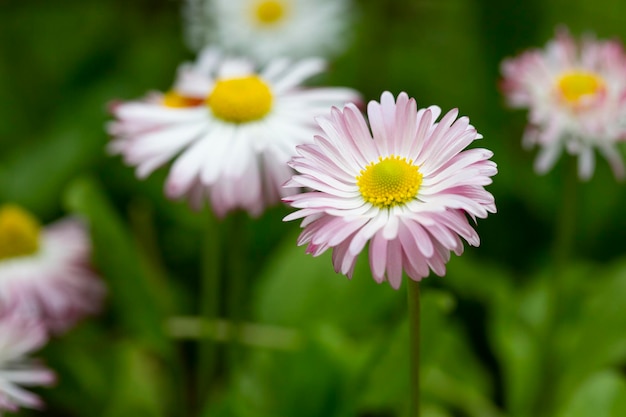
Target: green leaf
[33,178]
[299,289]
[451,375]
[602,395]
[593,327]
[134,296]
[306,382]
[138,387]
[515,328]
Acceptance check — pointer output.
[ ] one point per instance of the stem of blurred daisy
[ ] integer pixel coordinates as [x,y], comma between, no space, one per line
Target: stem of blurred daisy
[566,224]
[561,253]
[413,295]
[237,257]
[218,263]
[209,306]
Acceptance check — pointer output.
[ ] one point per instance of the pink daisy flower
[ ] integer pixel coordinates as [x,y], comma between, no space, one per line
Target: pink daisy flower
[407,187]
[20,335]
[230,128]
[575,93]
[44,272]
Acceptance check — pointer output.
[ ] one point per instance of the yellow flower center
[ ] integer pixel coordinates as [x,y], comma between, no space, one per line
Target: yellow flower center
[269,12]
[179,101]
[19,232]
[390,181]
[240,100]
[576,85]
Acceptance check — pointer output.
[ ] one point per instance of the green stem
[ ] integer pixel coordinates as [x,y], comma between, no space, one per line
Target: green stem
[566,225]
[236,300]
[561,253]
[413,292]
[209,305]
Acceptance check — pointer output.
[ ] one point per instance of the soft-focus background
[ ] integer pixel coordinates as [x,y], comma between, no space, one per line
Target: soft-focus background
[531,323]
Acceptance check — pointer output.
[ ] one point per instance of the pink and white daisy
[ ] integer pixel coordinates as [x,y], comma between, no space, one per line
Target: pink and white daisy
[267,29]
[407,187]
[19,336]
[45,272]
[230,128]
[576,96]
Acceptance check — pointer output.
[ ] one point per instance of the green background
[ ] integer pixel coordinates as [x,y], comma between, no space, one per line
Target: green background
[531,323]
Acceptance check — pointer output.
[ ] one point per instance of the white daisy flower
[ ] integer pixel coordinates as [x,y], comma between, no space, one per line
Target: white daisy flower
[576,95]
[234,127]
[44,272]
[266,29]
[20,335]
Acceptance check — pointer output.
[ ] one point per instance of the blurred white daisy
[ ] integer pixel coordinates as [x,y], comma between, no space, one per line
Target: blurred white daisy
[576,96]
[266,29]
[234,127]
[19,336]
[44,272]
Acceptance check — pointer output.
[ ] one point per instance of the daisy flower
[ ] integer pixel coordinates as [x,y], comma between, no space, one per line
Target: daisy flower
[266,29]
[407,187]
[235,129]
[44,272]
[20,335]
[575,93]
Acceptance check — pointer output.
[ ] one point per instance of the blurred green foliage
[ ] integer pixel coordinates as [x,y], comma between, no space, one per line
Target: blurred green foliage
[504,333]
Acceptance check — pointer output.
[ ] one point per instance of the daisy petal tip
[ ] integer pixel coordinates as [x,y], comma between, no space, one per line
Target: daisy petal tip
[387,96]
[453,113]
[395,284]
[378,278]
[172,190]
[113,105]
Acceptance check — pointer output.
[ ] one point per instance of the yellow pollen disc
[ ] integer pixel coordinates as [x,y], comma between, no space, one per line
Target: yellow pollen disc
[390,181]
[240,100]
[178,101]
[269,12]
[19,232]
[575,85]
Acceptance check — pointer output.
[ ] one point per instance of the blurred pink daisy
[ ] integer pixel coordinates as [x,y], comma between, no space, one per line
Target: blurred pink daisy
[575,93]
[407,187]
[20,335]
[234,127]
[45,273]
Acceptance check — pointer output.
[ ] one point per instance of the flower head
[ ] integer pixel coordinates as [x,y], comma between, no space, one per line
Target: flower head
[19,336]
[44,272]
[266,29]
[407,187]
[576,95]
[234,127]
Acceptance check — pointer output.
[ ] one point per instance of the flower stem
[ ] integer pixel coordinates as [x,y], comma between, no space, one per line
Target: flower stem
[561,252]
[236,291]
[209,304]
[566,224]
[413,292]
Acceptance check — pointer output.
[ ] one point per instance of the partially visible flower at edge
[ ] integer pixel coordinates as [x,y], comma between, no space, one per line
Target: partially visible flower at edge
[267,29]
[407,187]
[576,96]
[19,336]
[45,272]
[234,127]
